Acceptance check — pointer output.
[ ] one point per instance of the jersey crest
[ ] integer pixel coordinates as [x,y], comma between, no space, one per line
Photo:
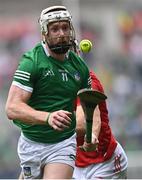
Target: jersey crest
[77,76]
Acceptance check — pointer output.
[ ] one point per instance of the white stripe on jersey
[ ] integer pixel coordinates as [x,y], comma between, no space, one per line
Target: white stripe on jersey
[23,72]
[17,77]
[22,75]
[26,88]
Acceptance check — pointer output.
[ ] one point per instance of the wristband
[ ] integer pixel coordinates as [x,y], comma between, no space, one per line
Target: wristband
[48,118]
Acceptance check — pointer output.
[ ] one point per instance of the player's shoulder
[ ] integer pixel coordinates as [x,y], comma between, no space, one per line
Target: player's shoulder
[72,54]
[92,74]
[95,81]
[32,53]
[77,59]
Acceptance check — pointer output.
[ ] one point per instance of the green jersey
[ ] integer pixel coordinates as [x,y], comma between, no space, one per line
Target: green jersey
[54,85]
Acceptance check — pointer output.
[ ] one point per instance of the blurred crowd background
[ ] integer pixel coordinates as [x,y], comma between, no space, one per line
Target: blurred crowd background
[115,29]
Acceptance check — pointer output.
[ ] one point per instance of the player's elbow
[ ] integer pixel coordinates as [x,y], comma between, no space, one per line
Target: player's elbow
[9,109]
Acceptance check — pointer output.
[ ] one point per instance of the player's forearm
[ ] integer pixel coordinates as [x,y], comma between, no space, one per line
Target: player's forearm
[25,113]
[80,129]
[96,122]
[80,121]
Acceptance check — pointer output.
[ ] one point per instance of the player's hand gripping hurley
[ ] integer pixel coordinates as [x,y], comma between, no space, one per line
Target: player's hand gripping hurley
[89,99]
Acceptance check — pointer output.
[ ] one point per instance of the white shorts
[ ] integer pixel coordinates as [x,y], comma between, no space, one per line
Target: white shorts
[115,168]
[34,156]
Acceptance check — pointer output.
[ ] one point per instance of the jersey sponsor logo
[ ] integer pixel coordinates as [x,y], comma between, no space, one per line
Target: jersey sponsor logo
[48,72]
[27,171]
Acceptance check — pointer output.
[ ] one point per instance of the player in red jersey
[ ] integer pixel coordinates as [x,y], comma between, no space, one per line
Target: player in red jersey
[109,160]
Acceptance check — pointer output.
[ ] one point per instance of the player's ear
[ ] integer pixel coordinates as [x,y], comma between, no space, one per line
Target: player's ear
[43,33]
[43,36]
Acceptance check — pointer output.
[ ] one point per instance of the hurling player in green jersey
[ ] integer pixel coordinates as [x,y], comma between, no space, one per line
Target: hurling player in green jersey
[41,100]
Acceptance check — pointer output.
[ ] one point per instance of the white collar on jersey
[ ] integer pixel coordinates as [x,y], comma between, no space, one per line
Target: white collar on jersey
[46,52]
[45,49]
